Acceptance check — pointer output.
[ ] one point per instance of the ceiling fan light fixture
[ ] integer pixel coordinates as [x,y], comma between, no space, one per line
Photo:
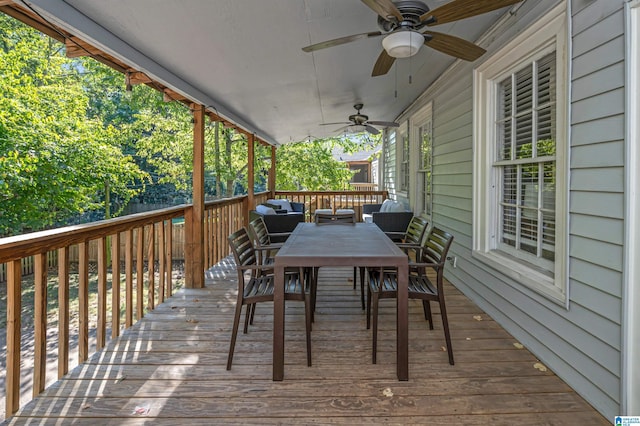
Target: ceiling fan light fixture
[403,44]
[356,128]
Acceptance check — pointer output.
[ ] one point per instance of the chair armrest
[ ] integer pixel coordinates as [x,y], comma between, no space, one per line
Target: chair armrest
[395,236]
[370,208]
[272,246]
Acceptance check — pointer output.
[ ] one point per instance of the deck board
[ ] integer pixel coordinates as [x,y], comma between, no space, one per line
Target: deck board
[169,368]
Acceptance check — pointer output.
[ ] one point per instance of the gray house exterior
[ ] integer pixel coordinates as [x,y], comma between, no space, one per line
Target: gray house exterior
[452,160]
[528,155]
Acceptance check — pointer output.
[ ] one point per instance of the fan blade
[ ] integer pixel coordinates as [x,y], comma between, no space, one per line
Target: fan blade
[385,8]
[384,123]
[383,64]
[461,9]
[333,124]
[339,41]
[453,46]
[371,129]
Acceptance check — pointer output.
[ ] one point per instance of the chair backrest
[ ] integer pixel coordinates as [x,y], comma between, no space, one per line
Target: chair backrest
[335,218]
[436,248]
[242,248]
[259,232]
[415,230]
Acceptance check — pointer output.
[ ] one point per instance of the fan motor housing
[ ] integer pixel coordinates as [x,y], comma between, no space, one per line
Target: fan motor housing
[411,11]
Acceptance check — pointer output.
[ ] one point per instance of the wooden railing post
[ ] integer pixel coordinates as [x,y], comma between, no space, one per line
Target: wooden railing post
[197,246]
[272,173]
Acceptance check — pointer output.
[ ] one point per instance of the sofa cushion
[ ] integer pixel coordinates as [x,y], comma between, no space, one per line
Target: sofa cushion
[283,203]
[396,207]
[386,204]
[265,209]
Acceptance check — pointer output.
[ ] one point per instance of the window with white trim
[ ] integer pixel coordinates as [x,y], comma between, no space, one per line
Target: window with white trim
[520,165]
[405,166]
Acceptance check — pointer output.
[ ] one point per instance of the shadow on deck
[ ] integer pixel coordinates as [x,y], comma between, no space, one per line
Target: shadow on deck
[169,368]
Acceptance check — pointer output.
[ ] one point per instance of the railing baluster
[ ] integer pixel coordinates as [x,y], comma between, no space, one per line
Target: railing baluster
[14,308]
[63,311]
[151,262]
[83,302]
[168,250]
[162,259]
[140,273]
[102,293]
[115,285]
[128,267]
[40,324]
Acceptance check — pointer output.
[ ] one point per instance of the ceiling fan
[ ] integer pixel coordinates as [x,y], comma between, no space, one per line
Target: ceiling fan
[401,22]
[359,122]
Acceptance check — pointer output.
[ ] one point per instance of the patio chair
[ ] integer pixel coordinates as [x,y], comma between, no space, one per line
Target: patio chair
[411,241]
[262,243]
[383,284]
[338,218]
[258,287]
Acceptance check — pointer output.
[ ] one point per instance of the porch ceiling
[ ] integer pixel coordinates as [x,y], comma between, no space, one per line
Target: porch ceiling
[243,58]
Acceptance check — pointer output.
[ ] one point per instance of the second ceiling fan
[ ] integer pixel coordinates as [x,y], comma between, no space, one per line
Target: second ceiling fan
[359,122]
[401,22]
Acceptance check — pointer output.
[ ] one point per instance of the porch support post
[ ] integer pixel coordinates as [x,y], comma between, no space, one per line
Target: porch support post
[251,146]
[195,248]
[272,173]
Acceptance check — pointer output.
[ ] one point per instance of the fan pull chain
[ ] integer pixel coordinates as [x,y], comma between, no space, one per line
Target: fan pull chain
[396,88]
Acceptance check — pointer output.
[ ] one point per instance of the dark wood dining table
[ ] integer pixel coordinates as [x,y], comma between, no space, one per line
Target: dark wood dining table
[360,244]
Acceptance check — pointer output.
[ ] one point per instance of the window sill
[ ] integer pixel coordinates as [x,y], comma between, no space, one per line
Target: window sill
[523,274]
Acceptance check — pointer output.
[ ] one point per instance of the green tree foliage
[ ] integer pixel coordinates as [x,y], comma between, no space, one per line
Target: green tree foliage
[54,160]
[310,166]
[69,131]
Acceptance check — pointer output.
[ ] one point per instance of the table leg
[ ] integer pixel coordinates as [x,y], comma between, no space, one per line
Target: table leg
[278,324]
[403,323]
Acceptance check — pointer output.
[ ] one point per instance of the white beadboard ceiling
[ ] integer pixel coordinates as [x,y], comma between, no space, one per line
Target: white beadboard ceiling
[243,58]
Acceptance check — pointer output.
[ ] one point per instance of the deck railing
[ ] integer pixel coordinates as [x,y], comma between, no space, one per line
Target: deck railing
[314,200]
[129,263]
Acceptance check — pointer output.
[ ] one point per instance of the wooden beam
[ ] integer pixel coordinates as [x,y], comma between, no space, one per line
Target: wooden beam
[29,18]
[6,2]
[76,47]
[170,96]
[137,77]
[197,225]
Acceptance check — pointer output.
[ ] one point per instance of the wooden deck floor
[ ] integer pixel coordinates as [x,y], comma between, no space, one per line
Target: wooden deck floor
[170,369]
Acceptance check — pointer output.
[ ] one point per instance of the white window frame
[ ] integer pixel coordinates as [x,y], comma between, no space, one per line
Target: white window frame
[424,117]
[547,34]
[403,159]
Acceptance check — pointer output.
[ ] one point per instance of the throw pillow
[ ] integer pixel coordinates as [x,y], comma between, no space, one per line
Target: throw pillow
[386,204]
[282,203]
[265,209]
